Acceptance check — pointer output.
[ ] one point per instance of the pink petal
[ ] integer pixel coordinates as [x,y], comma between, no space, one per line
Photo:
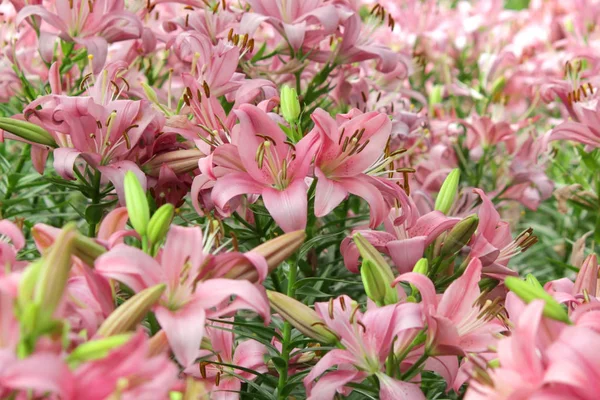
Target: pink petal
[393,389]
[131,266]
[115,172]
[328,194]
[11,231]
[64,161]
[214,292]
[115,221]
[233,185]
[362,187]
[288,207]
[184,329]
[457,301]
[423,284]
[406,252]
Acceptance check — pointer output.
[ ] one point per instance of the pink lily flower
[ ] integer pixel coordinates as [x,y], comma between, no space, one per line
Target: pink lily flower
[583,290]
[189,299]
[272,167]
[92,24]
[350,159]
[366,340]
[493,244]
[127,372]
[456,323]
[357,45]
[107,132]
[35,375]
[11,241]
[581,101]
[482,132]
[292,18]
[405,242]
[248,354]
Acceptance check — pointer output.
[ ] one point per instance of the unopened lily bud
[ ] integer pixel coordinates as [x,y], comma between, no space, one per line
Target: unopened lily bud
[532,280]
[529,292]
[132,312]
[150,93]
[180,161]
[275,251]
[421,267]
[435,96]
[160,223]
[459,236]
[497,87]
[378,269]
[375,287]
[87,250]
[96,349]
[55,270]
[290,105]
[303,318]
[447,193]
[27,131]
[137,204]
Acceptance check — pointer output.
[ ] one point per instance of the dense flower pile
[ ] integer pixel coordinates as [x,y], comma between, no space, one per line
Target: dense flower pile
[286,199]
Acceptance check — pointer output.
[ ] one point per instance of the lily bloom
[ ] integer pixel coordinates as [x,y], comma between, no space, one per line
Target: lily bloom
[127,372]
[350,159]
[11,241]
[292,18]
[188,299]
[493,244]
[405,242]
[109,133]
[457,324]
[248,354]
[271,166]
[92,24]
[366,340]
[583,290]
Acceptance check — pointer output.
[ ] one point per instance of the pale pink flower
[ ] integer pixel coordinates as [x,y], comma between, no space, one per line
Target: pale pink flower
[92,24]
[271,166]
[350,160]
[189,299]
[457,323]
[404,241]
[248,354]
[366,341]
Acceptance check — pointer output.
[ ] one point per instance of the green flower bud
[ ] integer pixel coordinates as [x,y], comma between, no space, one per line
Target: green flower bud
[87,249]
[379,269]
[27,131]
[435,97]
[132,312]
[137,204]
[459,236]
[421,267]
[96,349]
[497,87]
[375,286]
[55,270]
[447,193]
[303,318]
[528,292]
[160,222]
[290,105]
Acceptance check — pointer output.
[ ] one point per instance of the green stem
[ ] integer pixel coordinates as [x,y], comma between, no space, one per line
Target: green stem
[18,168]
[95,200]
[412,371]
[287,332]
